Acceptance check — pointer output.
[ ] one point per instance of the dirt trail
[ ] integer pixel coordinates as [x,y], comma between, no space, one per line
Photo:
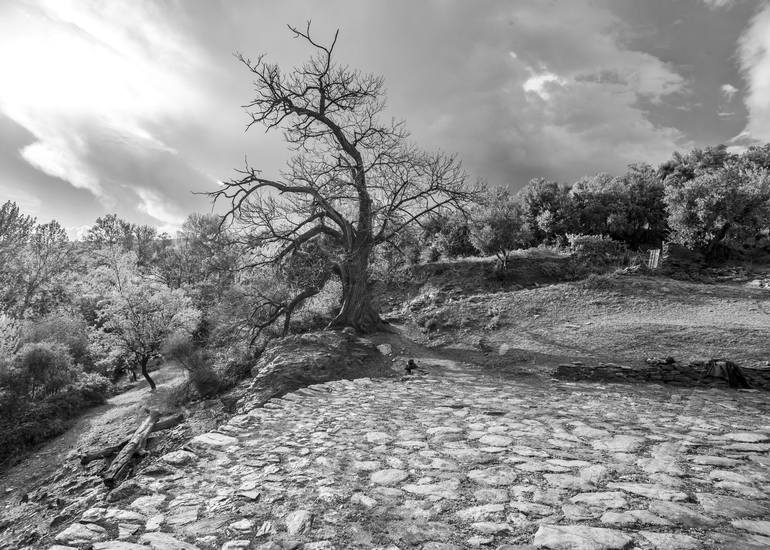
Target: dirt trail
[101,425]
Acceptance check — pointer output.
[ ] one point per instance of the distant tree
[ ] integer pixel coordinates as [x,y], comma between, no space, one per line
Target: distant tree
[353,184]
[547,209]
[498,225]
[110,230]
[449,234]
[629,208]
[15,229]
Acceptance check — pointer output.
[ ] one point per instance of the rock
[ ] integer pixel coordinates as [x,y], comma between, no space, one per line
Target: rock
[532,509]
[494,440]
[298,522]
[714,460]
[731,507]
[363,500]
[416,533]
[490,528]
[213,439]
[649,491]
[242,525]
[753,526]
[671,541]
[445,489]
[611,499]
[125,490]
[680,514]
[82,533]
[491,495]
[164,541]
[747,437]
[390,476]
[620,444]
[568,481]
[378,438]
[116,545]
[480,513]
[496,475]
[148,503]
[179,458]
[240,544]
[579,537]
[632,517]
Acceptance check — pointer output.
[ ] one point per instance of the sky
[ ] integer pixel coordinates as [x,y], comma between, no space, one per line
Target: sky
[134,106]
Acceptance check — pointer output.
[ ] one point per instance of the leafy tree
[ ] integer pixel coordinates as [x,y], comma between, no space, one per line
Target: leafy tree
[137,316]
[42,369]
[450,234]
[629,208]
[354,183]
[15,229]
[498,225]
[110,230]
[729,205]
[547,209]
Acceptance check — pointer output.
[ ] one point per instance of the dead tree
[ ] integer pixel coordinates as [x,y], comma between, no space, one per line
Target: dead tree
[353,183]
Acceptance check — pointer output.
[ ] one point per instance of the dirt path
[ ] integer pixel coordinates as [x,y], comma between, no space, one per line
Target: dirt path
[99,426]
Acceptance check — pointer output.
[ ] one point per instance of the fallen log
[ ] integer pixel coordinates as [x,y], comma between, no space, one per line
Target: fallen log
[106,452]
[122,463]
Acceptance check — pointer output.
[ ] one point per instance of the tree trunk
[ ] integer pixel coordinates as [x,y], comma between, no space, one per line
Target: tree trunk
[146,374]
[120,466]
[357,310]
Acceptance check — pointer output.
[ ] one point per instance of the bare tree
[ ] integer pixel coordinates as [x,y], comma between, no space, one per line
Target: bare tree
[353,182]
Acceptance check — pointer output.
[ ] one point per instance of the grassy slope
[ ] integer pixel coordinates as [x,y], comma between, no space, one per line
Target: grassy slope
[609,318]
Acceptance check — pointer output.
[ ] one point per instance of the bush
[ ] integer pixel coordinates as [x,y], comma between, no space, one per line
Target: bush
[65,329]
[597,248]
[197,363]
[39,370]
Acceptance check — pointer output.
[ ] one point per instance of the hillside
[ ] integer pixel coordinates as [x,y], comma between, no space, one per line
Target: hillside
[482,447]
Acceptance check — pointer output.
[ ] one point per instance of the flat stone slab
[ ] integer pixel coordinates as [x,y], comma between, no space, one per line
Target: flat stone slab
[82,533]
[214,439]
[164,541]
[579,537]
[391,476]
[650,491]
[753,526]
[731,507]
[671,541]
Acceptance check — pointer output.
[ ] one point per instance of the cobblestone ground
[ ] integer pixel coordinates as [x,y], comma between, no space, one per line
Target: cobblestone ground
[459,461]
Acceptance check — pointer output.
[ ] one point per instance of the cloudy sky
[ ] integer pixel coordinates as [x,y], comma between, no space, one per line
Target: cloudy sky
[129,106]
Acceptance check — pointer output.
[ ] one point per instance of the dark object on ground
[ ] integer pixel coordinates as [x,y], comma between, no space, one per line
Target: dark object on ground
[106,452]
[410,366]
[727,370]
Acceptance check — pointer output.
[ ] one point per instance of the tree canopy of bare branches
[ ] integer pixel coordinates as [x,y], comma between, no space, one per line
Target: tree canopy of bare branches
[353,182]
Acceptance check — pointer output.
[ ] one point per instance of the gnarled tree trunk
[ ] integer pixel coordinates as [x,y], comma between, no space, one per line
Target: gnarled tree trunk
[357,310]
[143,364]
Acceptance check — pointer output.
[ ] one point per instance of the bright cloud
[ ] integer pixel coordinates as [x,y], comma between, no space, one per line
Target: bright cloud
[541,84]
[754,53]
[728,90]
[82,70]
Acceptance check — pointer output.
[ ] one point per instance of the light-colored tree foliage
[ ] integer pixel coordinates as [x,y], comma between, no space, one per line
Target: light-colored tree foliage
[136,316]
[498,225]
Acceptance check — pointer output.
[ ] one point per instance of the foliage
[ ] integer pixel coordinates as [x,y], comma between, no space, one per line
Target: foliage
[40,370]
[498,225]
[136,317]
[718,208]
[61,327]
[600,249]
[449,235]
[547,209]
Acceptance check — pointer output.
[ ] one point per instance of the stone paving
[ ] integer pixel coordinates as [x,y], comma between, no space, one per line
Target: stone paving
[460,461]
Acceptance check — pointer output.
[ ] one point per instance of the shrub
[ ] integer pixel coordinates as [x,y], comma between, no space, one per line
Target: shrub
[63,328]
[197,363]
[597,248]
[41,369]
